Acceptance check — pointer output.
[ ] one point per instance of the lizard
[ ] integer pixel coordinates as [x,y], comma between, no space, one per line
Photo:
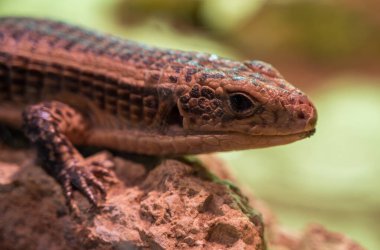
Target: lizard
[65,85]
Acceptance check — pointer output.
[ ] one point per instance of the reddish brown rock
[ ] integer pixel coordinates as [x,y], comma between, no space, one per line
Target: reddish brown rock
[158,204]
[164,204]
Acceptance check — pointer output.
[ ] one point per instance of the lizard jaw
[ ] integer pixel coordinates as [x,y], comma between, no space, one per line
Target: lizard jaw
[179,144]
[240,141]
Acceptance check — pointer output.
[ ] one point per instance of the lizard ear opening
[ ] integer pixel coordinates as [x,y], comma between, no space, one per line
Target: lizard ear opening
[174,117]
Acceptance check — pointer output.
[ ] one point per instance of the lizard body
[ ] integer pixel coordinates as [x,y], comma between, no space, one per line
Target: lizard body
[78,86]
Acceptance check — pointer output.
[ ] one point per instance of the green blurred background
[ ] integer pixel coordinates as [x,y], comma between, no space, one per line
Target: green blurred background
[330,49]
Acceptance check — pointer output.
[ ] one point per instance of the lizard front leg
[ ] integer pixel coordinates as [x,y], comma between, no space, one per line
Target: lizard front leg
[50,126]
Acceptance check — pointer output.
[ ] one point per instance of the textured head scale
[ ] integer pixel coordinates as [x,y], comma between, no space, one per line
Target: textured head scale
[250,100]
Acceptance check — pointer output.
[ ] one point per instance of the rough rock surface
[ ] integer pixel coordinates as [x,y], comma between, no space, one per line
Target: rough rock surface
[157,204]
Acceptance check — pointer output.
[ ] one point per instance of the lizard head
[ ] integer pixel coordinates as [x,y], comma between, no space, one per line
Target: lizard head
[249,106]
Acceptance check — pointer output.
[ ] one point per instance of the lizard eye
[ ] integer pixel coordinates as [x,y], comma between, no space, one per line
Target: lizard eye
[241,104]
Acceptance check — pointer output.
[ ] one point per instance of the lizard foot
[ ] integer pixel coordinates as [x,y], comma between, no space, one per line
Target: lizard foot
[89,177]
[51,126]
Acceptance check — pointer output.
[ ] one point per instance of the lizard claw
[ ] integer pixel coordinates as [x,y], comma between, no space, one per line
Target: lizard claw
[88,176]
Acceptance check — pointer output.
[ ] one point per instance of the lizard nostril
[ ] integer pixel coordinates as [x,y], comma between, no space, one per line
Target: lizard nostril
[306,113]
[301,115]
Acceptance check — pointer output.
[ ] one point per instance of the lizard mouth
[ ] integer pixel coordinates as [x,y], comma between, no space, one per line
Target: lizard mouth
[175,128]
[211,141]
[200,143]
[242,141]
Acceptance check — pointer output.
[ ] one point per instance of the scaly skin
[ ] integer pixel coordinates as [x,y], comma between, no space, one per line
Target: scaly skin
[136,98]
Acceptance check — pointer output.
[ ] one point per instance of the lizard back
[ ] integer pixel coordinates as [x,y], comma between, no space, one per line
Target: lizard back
[45,60]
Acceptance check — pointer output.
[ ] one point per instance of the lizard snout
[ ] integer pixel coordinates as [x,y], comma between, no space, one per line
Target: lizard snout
[305,114]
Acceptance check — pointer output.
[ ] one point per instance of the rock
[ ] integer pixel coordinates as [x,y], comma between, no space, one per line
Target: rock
[157,204]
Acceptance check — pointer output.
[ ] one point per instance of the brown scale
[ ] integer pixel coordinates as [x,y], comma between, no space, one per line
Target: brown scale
[5,81]
[34,80]
[99,90]
[135,108]
[70,79]
[202,101]
[150,106]
[137,105]
[53,78]
[116,51]
[123,92]
[17,77]
[111,92]
[86,84]
[95,44]
[4,87]
[72,44]
[74,39]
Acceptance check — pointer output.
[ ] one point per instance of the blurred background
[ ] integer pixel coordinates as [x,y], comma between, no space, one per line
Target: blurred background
[328,48]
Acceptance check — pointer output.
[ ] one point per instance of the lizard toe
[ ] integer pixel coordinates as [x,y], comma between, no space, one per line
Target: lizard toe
[87,177]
